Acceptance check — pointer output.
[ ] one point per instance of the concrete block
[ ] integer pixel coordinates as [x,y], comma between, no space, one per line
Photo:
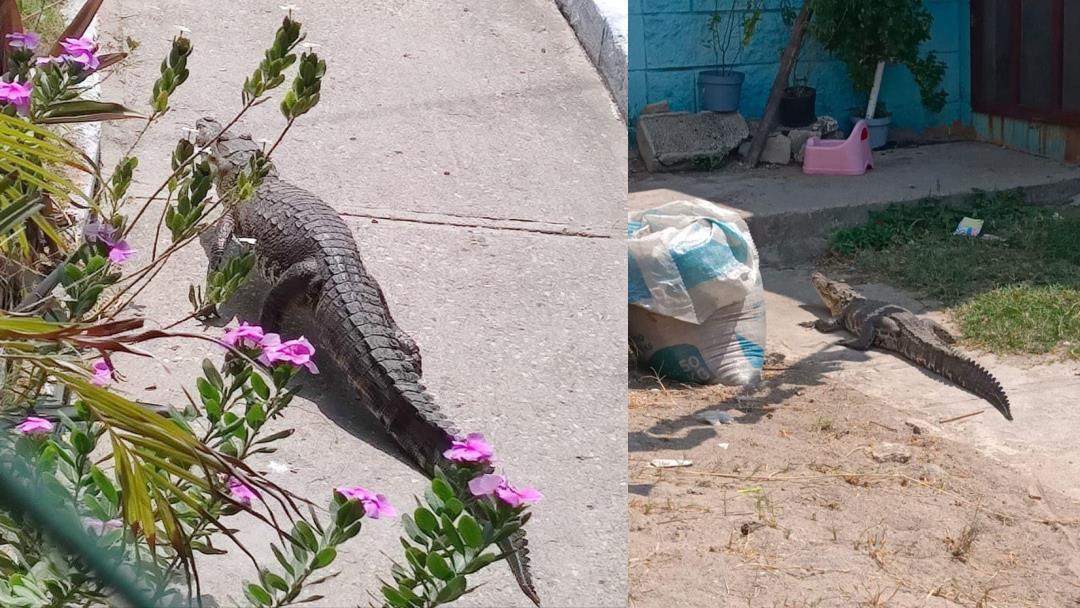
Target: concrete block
[777,150]
[675,141]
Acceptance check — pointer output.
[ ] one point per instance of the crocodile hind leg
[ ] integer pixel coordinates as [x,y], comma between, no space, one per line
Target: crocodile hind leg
[298,280]
[939,331]
[405,340]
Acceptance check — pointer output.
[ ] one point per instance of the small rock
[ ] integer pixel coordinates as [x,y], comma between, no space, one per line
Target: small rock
[798,138]
[715,417]
[660,107]
[1033,492]
[723,446]
[669,463]
[777,150]
[931,472]
[891,452]
[918,427]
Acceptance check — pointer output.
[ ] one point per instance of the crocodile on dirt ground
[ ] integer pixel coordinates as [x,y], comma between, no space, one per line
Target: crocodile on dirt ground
[308,254]
[894,328]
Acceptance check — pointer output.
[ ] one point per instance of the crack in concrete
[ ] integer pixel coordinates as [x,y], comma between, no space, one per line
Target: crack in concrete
[432,222]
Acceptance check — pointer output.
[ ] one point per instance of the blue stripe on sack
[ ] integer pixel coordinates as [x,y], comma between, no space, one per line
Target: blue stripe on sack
[736,242]
[702,263]
[637,290]
[753,353]
[632,227]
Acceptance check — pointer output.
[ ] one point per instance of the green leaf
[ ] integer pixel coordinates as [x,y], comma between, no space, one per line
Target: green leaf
[108,490]
[82,442]
[394,597]
[425,520]
[438,566]
[452,591]
[470,531]
[307,536]
[255,416]
[324,558]
[412,530]
[269,579]
[454,507]
[480,562]
[442,489]
[281,559]
[451,533]
[212,375]
[258,595]
[85,110]
[259,386]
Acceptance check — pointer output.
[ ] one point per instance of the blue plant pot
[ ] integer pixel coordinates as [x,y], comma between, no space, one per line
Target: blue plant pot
[879,130]
[720,90]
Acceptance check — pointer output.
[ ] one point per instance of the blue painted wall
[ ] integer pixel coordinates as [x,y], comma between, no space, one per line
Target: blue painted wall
[667,50]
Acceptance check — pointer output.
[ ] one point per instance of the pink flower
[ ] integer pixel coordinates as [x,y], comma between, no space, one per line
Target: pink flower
[102,374]
[245,335]
[375,505]
[17,94]
[298,352]
[472,449]
[33,425]
[100,526]
[120,252]
[81,51]
[22,40]
[488,484]
[240,492]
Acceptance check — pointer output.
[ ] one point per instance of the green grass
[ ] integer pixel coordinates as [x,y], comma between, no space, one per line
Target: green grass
[1017,294]
[43,17]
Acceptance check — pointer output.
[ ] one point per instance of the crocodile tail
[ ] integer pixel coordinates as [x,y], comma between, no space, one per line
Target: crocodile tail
[969,375]
[364,344]
[387,376]
[516,549]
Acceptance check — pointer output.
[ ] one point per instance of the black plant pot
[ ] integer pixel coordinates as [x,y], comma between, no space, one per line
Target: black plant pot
[798,106]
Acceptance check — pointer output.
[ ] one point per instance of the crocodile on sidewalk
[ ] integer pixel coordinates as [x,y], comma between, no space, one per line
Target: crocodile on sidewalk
[307,253]
[890,327]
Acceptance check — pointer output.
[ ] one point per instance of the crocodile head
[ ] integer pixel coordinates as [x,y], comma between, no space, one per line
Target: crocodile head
[835,294]
[229,153]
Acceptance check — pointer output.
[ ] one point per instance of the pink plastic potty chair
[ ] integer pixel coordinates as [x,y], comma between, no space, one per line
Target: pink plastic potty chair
[839,157]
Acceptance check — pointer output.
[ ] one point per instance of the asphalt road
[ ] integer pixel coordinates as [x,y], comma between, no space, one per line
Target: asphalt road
[479,160]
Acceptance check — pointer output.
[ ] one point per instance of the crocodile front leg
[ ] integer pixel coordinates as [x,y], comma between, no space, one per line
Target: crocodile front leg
[301,278]
[825,326]
[225,228]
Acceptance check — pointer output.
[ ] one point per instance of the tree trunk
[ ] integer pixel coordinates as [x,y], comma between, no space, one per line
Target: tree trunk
[757,145]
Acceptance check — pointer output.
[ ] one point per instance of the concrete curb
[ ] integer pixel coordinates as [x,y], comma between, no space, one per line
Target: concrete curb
[86,136]
[601,26]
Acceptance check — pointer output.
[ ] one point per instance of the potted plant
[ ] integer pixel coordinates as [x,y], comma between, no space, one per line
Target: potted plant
[798,102]
[721,88]
[866,36]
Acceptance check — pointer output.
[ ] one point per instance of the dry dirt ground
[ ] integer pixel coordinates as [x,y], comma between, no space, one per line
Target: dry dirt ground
[787,505]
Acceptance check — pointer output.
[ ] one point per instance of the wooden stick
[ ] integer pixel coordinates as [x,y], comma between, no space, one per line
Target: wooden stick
[757,145]
[961,417]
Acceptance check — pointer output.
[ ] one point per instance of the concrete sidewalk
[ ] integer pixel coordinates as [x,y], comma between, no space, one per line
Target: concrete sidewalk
[480,160]
[791,214]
